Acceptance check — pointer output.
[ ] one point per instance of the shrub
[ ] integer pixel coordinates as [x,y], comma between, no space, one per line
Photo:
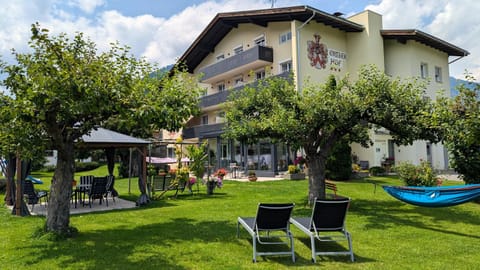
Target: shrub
[48,168]
[86,166]
[293,169]
[376,170]
[339,162]
[420,175]
[356,167]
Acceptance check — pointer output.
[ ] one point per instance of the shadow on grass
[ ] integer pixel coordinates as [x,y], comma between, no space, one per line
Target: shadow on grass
[138,247]
[388,214]
[331,246]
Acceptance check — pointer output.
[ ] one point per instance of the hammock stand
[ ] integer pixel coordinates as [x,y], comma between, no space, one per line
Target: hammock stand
[434,196]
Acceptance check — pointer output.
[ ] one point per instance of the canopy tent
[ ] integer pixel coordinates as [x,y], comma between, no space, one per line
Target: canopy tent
[101,138]
[434,196]
[164,160]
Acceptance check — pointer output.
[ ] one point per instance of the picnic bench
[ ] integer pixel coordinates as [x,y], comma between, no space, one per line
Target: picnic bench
[332,187]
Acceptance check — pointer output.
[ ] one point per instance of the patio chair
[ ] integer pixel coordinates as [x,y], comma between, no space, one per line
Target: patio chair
[84,187]
[32,196]
[110,188]
[327,223]
[268,227]
[98,190]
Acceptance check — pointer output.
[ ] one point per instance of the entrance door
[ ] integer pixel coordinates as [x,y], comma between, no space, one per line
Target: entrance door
[380,152]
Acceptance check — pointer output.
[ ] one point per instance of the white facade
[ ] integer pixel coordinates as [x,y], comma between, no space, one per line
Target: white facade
[314,45]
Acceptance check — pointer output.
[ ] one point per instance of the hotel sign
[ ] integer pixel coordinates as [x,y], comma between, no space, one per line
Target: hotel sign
[320,56]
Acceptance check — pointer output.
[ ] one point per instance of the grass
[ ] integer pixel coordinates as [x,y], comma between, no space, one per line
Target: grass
[199,232]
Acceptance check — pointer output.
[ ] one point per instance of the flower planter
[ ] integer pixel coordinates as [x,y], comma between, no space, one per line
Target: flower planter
[295,176]
[252,178]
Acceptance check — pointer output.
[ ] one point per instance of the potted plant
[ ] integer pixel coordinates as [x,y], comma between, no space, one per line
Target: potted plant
[212,183]
[220,173]
[294,173]
[252,177]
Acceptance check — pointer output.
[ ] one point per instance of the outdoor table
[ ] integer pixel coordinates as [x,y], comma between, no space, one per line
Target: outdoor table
[234,168]
[79,189]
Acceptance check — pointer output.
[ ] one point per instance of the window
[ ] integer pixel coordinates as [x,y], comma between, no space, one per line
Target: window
[220,57]
[285,37]
[259,75]
[238,81]
[221,87]
[424,70]
[220,118]
[225,153]
[438,74]
[171,152]
[286,66]
[260,41]
[238,50]
[205,120]
[204,92]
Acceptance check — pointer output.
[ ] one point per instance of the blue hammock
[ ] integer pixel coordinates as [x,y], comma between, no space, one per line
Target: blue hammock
[435,196]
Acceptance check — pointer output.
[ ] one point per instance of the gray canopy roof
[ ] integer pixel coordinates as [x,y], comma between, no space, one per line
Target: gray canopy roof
[104,138]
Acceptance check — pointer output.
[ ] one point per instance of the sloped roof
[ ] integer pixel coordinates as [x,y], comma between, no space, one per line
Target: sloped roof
[104,138]
[402,35]
[221,25]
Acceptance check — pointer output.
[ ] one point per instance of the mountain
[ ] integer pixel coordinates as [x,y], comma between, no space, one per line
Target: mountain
[454,82]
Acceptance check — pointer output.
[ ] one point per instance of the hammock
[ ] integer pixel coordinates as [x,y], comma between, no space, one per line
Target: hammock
[434,196]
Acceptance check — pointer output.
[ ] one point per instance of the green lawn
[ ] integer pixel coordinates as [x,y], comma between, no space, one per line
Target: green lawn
[199,232]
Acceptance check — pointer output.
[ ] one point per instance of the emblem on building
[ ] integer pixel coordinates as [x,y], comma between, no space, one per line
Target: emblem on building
[317,53]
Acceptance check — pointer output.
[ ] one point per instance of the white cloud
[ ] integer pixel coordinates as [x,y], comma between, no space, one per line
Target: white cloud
[163,40]
[87,6]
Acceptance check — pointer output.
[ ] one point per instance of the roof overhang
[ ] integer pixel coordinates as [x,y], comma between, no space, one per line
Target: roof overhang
[402,35]
[224,22]
[100,138]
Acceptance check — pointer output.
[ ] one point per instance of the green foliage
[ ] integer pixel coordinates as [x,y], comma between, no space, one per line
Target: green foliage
[202,227]
[460,120]
[376,170]
[65,87]
[319,115]
[198,157]
[293,169]
[86,166]
[48,168]
[416,175]
[339,162]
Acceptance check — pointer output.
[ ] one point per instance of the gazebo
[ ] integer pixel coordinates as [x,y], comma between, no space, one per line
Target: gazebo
[101,138]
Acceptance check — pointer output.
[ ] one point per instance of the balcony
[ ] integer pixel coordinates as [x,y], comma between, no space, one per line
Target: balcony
[203,131]
[221,97]
[245,61]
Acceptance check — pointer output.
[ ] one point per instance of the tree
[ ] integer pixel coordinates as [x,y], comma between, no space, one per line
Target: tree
[321,115]
[460,119]
[64,88]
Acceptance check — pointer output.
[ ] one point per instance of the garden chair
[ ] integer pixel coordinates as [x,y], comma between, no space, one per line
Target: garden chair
[327,223]
[110,188]
[33,196]
[98,190]
[268,227]
[85,185]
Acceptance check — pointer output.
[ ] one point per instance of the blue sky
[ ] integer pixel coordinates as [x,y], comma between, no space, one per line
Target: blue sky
[161,30]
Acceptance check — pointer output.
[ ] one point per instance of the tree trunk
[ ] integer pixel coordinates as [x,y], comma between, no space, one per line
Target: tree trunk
[10,189]
[58,213]
[316,177]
